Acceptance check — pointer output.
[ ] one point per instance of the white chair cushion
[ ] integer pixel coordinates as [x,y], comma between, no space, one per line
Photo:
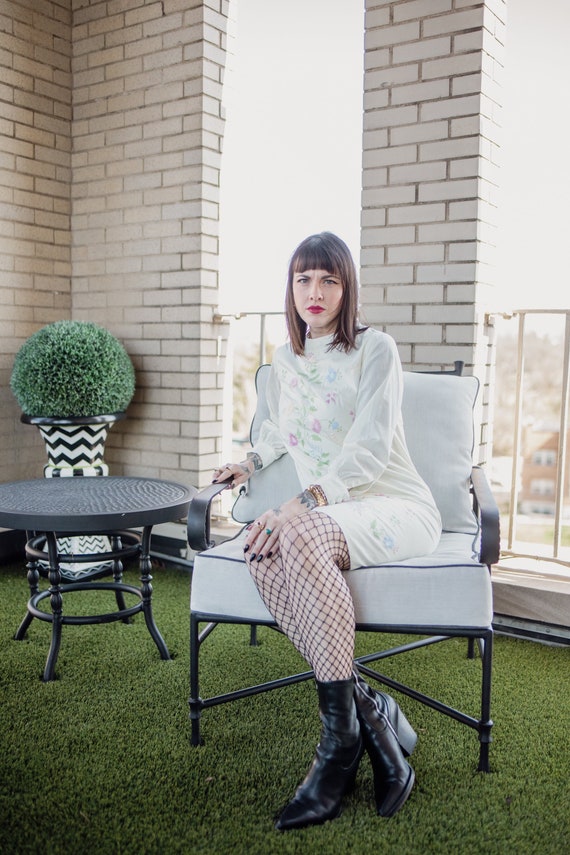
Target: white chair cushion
[447,588]
[437,412]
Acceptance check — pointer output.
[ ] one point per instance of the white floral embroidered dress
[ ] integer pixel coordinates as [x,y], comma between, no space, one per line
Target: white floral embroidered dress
[339,417]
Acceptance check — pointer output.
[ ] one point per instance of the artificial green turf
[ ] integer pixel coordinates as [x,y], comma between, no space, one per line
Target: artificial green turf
[100,760]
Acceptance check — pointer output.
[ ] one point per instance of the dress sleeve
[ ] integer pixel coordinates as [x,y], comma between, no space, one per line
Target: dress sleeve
[269,444]
[368,444]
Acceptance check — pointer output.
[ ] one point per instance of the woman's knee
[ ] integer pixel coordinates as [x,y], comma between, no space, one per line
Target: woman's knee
[296,533]
[314,535]
[266,572]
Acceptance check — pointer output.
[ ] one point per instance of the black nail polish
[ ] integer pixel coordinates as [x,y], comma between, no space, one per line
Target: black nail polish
[246,547]
[252,556]
[269,554]
[259,557]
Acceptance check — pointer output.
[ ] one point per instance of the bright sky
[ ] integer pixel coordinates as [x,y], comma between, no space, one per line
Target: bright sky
[293,141]
[292,152]
[535,174]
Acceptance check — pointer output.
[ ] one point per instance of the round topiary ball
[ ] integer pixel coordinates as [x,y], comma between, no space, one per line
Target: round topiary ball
[72,368]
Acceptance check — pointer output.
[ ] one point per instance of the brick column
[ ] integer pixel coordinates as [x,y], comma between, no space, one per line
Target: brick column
[430,147]
[35,160]
[147,136]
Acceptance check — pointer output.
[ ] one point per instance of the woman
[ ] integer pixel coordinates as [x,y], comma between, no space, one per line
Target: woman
[334,396]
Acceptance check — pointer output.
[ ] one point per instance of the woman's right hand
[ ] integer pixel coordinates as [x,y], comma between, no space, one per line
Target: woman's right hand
[236,473]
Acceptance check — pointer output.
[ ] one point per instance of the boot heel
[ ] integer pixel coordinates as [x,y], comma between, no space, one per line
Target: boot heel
[405,733]
[407,736]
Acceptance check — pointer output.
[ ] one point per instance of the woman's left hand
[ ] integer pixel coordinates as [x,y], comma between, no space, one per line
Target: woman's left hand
[262,539]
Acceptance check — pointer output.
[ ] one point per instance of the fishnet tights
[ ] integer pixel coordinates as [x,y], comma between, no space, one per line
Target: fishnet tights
[304,590]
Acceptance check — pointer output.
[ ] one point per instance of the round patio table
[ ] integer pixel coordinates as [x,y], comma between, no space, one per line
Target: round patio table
[58,507]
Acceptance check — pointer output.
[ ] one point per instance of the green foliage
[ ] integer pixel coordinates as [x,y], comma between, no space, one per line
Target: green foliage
[72,368]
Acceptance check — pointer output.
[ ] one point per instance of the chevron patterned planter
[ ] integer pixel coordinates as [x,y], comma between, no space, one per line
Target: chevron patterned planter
[75,447]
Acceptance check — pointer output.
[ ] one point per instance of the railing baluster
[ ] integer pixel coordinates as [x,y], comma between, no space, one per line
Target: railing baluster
[562,440]
[518,432]
[262,339]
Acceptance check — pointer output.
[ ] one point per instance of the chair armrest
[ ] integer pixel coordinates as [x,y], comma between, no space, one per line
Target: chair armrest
[485,507]
[198,524]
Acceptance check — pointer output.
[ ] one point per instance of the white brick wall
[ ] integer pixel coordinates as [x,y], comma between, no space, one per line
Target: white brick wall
[432,98]
[35,161]
[157,202]
[145,82]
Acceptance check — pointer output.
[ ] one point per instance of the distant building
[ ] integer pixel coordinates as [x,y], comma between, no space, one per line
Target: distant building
[538,489]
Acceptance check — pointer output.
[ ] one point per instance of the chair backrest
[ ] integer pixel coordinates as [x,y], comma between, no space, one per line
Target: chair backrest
[437,413]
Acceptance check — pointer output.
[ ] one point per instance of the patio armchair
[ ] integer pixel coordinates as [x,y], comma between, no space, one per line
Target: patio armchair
[441,596]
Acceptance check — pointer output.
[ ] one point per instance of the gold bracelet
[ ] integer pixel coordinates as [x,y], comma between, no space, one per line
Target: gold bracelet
[318,494]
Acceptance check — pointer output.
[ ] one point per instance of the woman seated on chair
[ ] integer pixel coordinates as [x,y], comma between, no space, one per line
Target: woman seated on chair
[334,395]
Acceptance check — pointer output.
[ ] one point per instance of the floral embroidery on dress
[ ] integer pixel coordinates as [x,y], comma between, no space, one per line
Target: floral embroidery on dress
[322,459]
[384,537]
[312,415]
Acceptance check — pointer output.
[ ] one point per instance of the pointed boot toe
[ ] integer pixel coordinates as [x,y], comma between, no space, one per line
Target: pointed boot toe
[392,796]
[319,798]
[299,814]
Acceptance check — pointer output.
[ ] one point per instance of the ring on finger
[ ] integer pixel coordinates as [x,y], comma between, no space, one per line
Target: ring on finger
[268,531]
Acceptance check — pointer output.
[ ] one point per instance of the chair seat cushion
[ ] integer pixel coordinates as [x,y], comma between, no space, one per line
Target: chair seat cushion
[448,588]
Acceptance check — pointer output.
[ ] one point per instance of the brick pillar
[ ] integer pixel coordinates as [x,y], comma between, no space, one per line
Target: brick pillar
[35,160]
[147,136]
[430,178]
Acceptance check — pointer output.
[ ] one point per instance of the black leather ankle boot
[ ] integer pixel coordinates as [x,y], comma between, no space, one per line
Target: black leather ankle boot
[335,764]
[407,737]
[379,716]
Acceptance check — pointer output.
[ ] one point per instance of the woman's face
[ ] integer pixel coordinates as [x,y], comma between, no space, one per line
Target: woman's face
[318,296]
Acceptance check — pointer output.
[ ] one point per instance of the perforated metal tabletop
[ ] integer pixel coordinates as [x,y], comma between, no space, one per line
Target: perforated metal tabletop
[91,504]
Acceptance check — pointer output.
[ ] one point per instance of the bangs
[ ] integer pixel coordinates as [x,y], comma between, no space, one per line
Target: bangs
[315,255]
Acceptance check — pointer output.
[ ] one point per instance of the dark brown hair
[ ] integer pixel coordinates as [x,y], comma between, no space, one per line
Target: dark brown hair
[324,251]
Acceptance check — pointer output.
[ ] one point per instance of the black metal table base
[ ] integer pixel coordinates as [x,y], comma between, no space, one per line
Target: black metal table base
[124,545]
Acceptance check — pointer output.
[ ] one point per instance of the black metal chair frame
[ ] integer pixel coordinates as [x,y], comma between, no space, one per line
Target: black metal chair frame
[486,511]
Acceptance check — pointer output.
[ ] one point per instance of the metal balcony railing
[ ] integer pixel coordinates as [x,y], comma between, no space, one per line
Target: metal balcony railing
[511,548]
[262,329]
